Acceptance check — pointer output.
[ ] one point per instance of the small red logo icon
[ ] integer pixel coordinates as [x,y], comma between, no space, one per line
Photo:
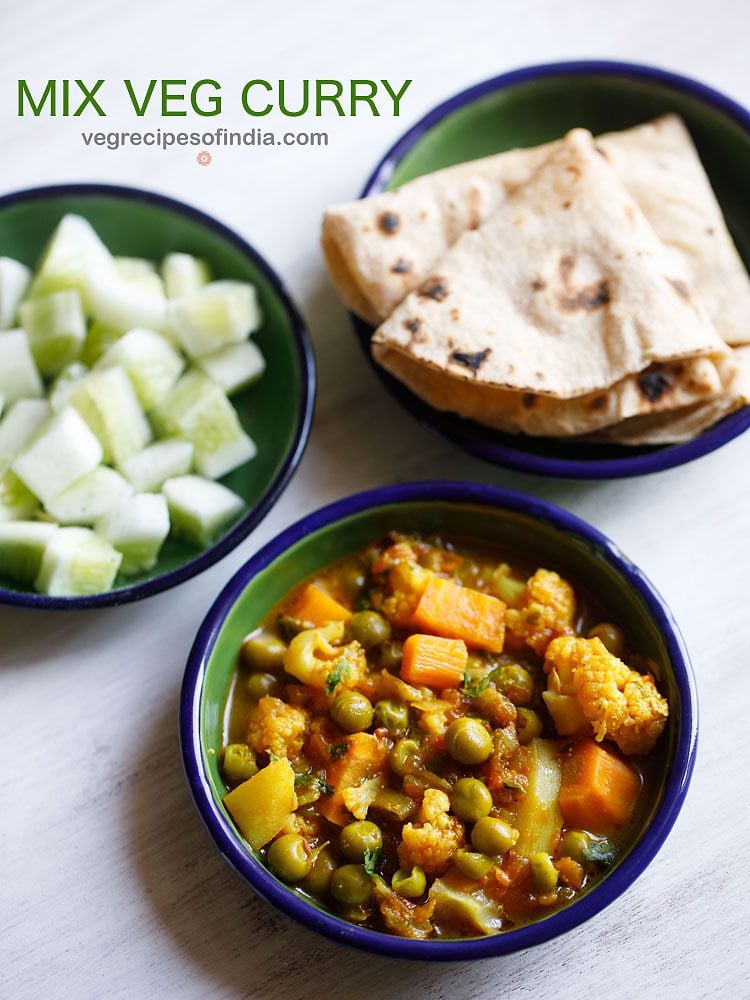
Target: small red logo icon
[203,158]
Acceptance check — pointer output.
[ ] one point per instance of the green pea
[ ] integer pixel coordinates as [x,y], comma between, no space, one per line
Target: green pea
[369,629]
[318,879]
[574,845]
[468,741]
[391,654]
[393,715]
[260,685]
[352,579]
[492,835]
[288,857]
[543,872]
[352,711]
[263,651]
[528,725]
[404,757]
[611,636]
[470,799]
[238,763]
[410,884]
[359,837]
[517,683]
[472,863]
[351,885]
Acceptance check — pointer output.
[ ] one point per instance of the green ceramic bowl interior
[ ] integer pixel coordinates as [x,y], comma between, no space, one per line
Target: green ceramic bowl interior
[539,541]
[532,112]
[131,226]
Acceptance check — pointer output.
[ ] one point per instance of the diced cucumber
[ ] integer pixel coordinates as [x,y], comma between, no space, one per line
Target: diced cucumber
[90,497]
[184,274]
[107,401]
[77,562]
[98,341]
[141,273]
[56,327]
[62,450]
[222,312]
[62,389]
[14,280]
[17,426]
[233,367]
[198,410]
[151,362]
[19,375]
[137,528]
[147,470]
[73,253]
[16,501]
[117,303]
[22,545]
[199,508]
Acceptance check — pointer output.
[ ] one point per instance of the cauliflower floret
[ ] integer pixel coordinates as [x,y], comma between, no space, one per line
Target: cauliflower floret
[621,704]
[315,658]
[432,844]
[546,611]
[406,584]
[277,728]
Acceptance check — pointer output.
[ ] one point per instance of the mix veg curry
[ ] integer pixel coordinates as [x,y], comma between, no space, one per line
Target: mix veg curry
[436,743]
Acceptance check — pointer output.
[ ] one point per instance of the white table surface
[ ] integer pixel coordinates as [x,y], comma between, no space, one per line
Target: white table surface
[110,886]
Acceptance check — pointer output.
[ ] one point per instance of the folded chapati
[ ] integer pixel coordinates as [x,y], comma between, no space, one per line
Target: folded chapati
[379,249]
[564,291]
[690,421]
[659,389]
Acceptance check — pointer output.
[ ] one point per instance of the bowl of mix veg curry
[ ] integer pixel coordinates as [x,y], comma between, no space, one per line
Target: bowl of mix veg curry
[439,721]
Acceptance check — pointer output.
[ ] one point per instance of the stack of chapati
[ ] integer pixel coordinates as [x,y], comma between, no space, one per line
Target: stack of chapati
[584,287]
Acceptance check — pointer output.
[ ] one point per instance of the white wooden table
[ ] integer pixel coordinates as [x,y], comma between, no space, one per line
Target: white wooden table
[110,886]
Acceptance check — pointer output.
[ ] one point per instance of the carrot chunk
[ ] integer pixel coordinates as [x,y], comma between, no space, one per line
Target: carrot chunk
[317,606]
[598,789]
[436,662]
[456,612]
[366,757]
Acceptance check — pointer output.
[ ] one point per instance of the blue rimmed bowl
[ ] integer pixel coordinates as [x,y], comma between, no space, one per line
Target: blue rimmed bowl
[276,412]
[534,105]
[485,515]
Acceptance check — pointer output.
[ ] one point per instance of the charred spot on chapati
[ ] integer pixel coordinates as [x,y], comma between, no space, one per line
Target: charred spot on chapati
[474,203]
[401,266]
[538,285]
[592,297]
[567,204]
[455,315]
[598,403]
[434,288]
[412,325]
[654,382]
[473,361]
[528,400]
[681,288]
[389,223]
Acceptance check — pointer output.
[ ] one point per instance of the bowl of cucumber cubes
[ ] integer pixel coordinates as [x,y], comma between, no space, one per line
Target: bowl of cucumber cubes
[156,394]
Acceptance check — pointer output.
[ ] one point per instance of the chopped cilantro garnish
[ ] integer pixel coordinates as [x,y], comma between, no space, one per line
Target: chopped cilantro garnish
[338,750]
[372,860]
[474,688]
[341,672]
[309,780]
[603,852]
